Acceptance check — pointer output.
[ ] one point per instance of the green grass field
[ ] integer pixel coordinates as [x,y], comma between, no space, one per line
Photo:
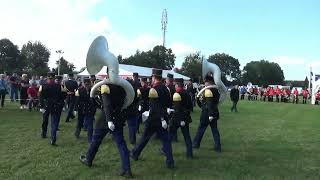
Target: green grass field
[262,141]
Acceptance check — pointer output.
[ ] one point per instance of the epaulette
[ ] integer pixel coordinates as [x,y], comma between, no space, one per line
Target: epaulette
[208,93]
[105,89]
[153,93]
[77,93]
[176,97]
[138,93]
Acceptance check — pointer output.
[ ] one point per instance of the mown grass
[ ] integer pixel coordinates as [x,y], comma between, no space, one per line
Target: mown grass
[262,141]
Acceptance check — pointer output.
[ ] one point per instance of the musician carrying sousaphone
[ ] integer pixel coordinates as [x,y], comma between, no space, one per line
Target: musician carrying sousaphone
[208,99]
[114,97]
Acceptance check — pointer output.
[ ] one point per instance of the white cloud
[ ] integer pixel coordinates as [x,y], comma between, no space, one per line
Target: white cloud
[68,25]
[181,50]
[285,60]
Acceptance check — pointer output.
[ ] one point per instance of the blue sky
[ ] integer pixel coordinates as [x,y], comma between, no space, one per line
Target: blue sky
[286,32]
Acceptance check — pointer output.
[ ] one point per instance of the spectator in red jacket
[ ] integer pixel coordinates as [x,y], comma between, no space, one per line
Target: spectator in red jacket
[318,97]
[271,94]
[305,94]
[33,95]
[295,96]
[278,94]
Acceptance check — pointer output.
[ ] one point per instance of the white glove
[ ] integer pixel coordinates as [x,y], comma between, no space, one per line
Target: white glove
[169,111]
[111,125]
[139,108]
[75,113]
[42,111]
[182,123]
[210,118]
[145,116]
[164,124]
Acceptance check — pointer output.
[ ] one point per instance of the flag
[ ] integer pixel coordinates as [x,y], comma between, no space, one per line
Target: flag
[316,77]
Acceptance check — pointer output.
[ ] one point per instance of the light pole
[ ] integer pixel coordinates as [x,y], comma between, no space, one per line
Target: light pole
[59,52]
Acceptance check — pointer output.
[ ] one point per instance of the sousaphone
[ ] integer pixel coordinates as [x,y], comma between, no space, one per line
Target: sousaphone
[99,56]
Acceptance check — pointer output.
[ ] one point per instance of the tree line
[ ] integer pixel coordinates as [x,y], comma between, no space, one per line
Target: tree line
[33,59]
[34,56]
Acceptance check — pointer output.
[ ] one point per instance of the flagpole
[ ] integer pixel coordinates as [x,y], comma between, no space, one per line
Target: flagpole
[310,79]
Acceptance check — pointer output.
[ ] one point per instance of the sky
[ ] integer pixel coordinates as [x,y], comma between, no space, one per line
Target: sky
[286,32]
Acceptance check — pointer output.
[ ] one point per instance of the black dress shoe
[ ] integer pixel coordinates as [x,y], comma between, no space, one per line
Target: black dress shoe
[77,134]
[84,161]
[126,174]
[170,166]
[43,136]
[217,150]
[53,143]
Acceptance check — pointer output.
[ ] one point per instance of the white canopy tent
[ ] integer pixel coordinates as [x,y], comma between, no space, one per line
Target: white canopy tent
[127,71]
[315,87]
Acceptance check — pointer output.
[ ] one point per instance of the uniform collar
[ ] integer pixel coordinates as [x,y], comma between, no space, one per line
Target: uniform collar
[51,82]
[156,84]
[179,89]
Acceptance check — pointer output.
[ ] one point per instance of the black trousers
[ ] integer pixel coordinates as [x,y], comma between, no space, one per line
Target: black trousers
[2,97]
[234,106]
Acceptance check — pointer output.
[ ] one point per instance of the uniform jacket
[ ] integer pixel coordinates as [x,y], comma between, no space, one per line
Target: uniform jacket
[71,86]
[144,99]
[234,94]
[112,97]
[159,101]
[182,105]
[50,96]
[132,110]
[209,102]
[84,104]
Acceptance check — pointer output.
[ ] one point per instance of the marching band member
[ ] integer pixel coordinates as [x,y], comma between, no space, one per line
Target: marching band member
[72,86]
[209,114]
[86,108]
[133,110]
[50,95]
[159,100]
[182,105]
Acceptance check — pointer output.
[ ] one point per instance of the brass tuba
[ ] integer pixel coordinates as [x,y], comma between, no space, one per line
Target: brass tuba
[215,70]
[99,56]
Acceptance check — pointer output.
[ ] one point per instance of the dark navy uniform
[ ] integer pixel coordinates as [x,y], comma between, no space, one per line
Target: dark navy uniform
[172,90]
[86,109]
[143,92]
[132,111]
[182,105]
[209,116]
[58,80]
[113,99]
[159,100]
[50,96]
[71,86]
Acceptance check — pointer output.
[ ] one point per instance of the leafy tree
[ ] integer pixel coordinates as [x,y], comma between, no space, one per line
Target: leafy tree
[230,67]
[36,56]
[159,57]
[263,73]
[192,66]
[65,66]
[9,57]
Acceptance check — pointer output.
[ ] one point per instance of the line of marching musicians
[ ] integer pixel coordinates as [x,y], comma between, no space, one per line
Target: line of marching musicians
[165,106]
